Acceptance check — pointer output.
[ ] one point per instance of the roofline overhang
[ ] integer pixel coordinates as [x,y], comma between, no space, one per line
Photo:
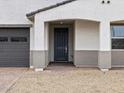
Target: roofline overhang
[31,14]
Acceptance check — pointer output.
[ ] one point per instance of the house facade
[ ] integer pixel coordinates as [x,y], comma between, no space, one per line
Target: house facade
[88,33]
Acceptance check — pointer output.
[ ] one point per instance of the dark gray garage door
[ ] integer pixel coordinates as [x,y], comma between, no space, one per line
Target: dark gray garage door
[14,47]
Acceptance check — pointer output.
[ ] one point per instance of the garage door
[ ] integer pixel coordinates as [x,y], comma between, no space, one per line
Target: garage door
[14,47]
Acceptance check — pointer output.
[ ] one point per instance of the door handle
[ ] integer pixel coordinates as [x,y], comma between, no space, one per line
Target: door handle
[66,49]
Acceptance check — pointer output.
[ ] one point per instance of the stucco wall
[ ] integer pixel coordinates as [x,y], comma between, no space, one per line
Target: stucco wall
[14,11]
[86,35]
[86,32]
[117,58]
[87,9]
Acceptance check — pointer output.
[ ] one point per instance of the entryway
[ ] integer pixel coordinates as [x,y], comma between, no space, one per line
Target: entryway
[60,66]
[61,45]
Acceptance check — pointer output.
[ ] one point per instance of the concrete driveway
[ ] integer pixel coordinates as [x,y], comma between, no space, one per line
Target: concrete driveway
[8,77]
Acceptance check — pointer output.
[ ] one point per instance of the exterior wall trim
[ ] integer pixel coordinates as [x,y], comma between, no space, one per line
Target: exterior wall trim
[81,58]
[79,66]
[70,27]
[117,66]
[38,69]
[39,59]
[15,25]
[104,59]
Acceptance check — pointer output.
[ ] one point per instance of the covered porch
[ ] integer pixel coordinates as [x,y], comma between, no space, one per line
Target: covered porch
[73,41]
[77,41]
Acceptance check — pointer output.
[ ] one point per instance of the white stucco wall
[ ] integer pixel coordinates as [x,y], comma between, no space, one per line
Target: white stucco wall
[31,38]
[14,11]
[86,35]
[87,9]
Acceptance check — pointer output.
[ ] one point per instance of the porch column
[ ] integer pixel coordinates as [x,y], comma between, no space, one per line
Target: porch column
[104,59]
[40,46]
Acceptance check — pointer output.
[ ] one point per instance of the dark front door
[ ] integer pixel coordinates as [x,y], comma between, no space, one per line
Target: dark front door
[60,44]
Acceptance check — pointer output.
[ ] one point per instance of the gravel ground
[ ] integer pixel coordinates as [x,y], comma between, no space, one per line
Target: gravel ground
[70,81]
[8,77]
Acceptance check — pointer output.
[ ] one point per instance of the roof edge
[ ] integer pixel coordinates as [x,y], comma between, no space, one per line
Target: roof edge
[49,7]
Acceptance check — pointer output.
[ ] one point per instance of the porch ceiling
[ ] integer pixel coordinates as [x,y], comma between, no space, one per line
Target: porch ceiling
[62,22]
[118,22]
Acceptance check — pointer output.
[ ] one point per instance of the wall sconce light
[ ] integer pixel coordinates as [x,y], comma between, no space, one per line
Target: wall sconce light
[61,23]
[108,2]
[103,2]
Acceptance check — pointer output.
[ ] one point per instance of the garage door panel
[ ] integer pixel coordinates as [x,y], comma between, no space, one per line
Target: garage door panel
[14,52]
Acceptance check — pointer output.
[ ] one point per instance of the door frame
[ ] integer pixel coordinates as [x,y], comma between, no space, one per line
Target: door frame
[51,44]
[67,56]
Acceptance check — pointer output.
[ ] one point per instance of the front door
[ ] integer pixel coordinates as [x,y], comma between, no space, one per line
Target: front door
[60,44]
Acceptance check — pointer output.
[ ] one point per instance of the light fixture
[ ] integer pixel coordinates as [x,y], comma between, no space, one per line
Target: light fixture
[61,22]
[108,2]
[103,2]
